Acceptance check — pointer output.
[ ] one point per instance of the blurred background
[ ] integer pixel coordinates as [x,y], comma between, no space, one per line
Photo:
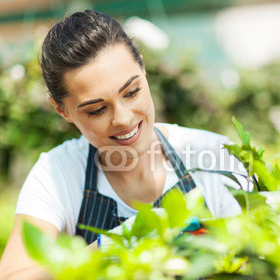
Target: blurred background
[206,60]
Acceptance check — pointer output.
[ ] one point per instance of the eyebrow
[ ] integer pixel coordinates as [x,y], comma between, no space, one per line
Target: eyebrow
[93,101]
[129,81]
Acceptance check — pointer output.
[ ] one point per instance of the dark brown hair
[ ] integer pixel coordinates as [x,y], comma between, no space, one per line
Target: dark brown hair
[74,41]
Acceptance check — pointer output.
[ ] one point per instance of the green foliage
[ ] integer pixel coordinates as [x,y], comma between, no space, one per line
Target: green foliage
[172,209]
[27,121]
[182,95]
[62,257]
[255,100]
[268,177]
[243,135]
[154,247]
[234,248]
[146,222]
[8,199]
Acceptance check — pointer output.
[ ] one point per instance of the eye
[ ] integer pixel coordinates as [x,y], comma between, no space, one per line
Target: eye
[97,112]
[132,93]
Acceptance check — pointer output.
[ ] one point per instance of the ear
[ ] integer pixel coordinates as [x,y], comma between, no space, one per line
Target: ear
[60,109]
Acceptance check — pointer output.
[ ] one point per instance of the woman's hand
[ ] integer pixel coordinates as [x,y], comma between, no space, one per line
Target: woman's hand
[93,246]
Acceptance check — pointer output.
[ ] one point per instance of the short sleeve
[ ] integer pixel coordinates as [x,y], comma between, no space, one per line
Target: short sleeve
[53,190]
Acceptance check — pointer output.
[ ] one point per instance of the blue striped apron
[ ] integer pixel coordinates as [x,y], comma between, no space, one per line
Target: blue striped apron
[101,211]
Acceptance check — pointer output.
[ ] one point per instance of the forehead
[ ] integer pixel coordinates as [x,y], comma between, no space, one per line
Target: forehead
[107,72]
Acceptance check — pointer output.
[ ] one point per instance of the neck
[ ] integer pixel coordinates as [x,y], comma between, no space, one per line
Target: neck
[138,167]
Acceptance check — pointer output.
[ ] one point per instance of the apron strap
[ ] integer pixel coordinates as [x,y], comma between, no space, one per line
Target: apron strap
[185,179]
[91,171]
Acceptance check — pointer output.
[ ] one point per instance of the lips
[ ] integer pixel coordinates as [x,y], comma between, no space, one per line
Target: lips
[131,140]
[125,131]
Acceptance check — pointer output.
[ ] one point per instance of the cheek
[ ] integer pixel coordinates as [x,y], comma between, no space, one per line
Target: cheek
[146,104]
[93,129]
[150,111]
[96,137]
[151,107]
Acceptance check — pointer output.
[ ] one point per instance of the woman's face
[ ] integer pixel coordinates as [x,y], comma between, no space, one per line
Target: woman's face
[109,97]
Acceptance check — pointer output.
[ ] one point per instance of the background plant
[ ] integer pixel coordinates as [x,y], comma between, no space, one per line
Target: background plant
[29,125]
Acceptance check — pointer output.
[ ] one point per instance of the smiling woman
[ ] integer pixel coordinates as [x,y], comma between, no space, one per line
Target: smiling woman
[97,81]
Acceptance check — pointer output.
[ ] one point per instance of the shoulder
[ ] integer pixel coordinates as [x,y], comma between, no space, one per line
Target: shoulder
[61,170]
[64,166]
[76,145]
[200,148]
[72,151]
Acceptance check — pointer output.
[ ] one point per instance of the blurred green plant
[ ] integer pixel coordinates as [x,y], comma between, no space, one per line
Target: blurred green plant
[244,247]
[256,102]
[182,95]
[153,247]
[27,121]
[8,198]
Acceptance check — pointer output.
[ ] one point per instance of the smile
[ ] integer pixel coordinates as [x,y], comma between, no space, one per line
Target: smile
[128,135]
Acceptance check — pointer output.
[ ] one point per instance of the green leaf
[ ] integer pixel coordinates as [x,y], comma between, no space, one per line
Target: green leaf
[37,244]
[255,200]
[267,178]
[243,135]
[126,233]
[239,196]
[248,200]
[116,237]
[201,265]
[221,172]
[146,222]
[68,253]
[246,156]
[176,208]
[276,172]
[234,150]
[260,152]
[263,187]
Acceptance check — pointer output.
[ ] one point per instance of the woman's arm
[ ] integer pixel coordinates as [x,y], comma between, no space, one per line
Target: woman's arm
[30,273]
[15,264]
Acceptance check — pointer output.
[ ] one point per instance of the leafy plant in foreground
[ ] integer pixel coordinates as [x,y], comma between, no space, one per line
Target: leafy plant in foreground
[153,246]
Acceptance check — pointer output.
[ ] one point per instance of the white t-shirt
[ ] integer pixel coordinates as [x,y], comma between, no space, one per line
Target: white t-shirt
[53,190]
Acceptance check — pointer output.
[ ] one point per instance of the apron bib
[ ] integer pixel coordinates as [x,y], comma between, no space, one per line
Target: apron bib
[101,211]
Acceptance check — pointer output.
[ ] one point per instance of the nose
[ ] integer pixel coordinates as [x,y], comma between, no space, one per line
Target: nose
[123,116]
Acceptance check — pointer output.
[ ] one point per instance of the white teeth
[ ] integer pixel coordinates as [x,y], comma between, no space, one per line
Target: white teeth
[128,135]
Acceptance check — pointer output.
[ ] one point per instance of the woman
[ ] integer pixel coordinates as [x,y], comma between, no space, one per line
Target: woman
[97,81]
